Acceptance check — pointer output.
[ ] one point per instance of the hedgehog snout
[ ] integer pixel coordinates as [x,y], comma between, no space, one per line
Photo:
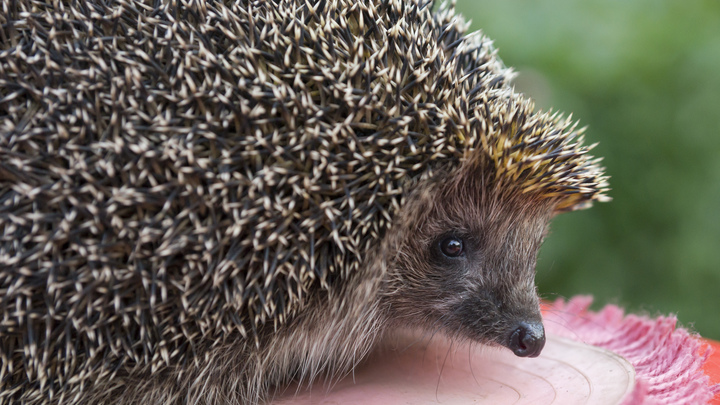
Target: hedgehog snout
[527,339]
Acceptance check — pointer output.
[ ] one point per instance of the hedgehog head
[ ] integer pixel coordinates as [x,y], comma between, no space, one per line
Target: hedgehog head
[475,227]
[467,265]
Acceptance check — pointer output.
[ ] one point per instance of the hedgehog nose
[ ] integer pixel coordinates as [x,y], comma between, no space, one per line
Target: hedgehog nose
[528,339]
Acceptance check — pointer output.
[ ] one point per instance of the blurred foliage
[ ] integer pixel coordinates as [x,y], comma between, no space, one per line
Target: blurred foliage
[644,76]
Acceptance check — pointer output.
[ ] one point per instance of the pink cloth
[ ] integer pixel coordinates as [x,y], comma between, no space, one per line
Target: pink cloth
[668,360]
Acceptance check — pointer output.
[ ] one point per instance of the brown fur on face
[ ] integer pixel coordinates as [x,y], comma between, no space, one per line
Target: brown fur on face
[483,295]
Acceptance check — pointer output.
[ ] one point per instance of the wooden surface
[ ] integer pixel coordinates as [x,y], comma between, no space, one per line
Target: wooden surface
[567,372]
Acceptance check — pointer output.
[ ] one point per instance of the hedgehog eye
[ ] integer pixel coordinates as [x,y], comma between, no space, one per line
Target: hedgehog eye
[452,246]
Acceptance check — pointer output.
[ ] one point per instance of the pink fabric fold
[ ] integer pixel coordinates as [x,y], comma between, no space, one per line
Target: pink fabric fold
[668,360]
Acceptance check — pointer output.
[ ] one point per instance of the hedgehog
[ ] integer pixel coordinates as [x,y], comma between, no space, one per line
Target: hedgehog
[204,201]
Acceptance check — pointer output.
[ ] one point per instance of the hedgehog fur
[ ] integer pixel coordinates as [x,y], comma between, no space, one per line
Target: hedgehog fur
[203,200]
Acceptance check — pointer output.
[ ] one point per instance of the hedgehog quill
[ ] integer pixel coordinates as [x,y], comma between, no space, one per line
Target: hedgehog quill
[202,201]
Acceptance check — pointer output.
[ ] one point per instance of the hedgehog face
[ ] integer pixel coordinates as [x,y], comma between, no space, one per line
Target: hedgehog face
[469,268]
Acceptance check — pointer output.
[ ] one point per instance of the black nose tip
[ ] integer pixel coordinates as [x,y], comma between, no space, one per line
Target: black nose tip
[528,339]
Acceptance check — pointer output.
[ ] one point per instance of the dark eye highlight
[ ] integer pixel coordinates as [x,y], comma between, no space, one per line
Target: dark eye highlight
[452,246]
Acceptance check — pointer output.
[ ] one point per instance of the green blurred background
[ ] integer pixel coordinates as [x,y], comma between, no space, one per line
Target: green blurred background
[644,76]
